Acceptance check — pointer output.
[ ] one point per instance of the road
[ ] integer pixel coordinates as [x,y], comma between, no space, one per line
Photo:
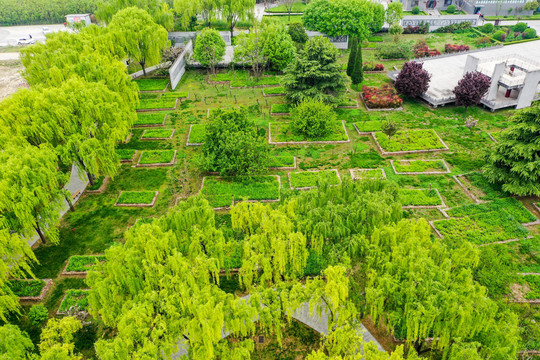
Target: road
[9,35]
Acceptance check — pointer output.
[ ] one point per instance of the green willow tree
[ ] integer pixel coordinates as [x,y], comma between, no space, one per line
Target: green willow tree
[158,9]
[141,38]
[14,343]
[57,339]
[209,49]
[235,10]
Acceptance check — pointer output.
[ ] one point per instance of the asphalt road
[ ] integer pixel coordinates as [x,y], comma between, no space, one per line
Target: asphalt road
[10,35]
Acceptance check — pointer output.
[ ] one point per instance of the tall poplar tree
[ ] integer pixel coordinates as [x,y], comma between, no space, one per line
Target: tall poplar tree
[357,75]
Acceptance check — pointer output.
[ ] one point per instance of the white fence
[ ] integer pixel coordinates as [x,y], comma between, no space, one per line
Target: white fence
[178,68]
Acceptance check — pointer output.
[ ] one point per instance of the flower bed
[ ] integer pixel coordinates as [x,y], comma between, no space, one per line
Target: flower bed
[152,84]
[80,264]
[420,198]
[197,133]
[415,167]
[74,298]
[220,190]
[364,174]
[482,228]
[409,141]
[384,97]
[306,180]
[280,109]
[281,133]
[274,91]
[157,134]
[367,127]
[137,198]
[281,162]
[157,157]
[126,155]
[372,67]
[454,48]
[150,119]
[424,51]
[510,206]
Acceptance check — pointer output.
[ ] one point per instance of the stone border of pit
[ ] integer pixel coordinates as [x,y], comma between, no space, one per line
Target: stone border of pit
[357,106]
[447,171]
[492,138]
[61,313]
[253,201]
[442,206]
[389,153]
[152,125]
[155,91]
[156,164]
[162,138]
[315,186]
[101,188]
[42,294]
[128,138]
[272,95]
[351,171]
[307,142]
[189,134]
[371,109]
[362,132]
[279,114]
[137,205]
[537,207]
[125,161]
[467,191]
[75,273]
[285,167]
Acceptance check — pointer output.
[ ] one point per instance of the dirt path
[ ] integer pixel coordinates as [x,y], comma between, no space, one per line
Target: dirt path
[10,77]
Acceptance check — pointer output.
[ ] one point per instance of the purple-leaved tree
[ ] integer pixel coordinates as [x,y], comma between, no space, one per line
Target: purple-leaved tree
[470,90]
[413,79]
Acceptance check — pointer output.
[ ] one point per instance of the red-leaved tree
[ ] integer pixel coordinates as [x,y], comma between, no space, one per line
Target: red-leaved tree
[470,90]
[413,80]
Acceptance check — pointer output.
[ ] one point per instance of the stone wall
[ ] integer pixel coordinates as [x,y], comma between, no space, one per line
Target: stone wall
[178,68]
[437,21]
[340,42]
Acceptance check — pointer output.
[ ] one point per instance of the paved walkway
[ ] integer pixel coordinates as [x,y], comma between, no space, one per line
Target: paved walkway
[75,185]
[316,322]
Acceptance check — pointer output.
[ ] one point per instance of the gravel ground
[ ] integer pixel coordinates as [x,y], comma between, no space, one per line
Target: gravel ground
[10,78]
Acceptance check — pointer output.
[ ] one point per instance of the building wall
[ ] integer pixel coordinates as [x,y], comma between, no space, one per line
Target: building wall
[438,21]
[496,7]
[424,5]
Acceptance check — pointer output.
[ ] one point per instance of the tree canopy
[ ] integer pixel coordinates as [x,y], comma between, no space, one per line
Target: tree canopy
[209,49]
[413,80]
[471,89]
[158,9]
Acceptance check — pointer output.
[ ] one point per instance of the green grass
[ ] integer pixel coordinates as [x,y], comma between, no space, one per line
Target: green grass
[281,161]
[409,141]
[444,12]
[26,287]
[74,297]
[419,166]
[125,154]
[283,19]
[81,263]
[145,104]
[482,228]
[174,95]
[419,197]
[313,178]
[156,157]
[242,78]
[511,206]
[281,108]
[136,197]
[152,84]
[282,132]
[149,119]
[298,7]
[491,191]
[97,183]
[197,134]
[157,133]
[369,126]
[533,282]
[220,190]
[348,102]
[368,174]
[278,90]
[409,13]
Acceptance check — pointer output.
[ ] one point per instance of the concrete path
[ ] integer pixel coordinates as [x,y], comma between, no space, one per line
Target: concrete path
[75,185]
[316,322]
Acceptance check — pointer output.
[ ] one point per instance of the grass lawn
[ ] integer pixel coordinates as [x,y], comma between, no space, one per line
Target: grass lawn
[136,197]
[197,134]
[312,178]
[410,13]
[368,126]
[284,19]
[220,190]
[510,206]
[145,104]
[276,90]
[281,161]
[26,287]
[281,108]
[125,154]
[532,284]
[157,134]
[362,174]
[152,84]
[157,157]
[409,141]
[74,297]
[82,263]
[242,78]
[419,197]
[149,119]
[281,132]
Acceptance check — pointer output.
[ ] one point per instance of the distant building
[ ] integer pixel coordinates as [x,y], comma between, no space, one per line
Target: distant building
[78,18]
[484,7]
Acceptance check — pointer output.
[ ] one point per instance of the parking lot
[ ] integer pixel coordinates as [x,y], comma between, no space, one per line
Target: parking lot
[10,35]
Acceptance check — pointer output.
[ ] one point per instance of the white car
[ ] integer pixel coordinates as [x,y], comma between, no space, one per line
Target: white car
[46,31]
[25,41]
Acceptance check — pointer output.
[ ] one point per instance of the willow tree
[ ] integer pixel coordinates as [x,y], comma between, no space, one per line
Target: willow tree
[420,289]
[30,190]
[141,38]
[158,9]
[14,343]
[57,339]
[235,10]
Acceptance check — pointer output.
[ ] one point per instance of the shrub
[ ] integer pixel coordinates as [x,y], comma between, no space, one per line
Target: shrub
[371,66]
[297,33]
[38,314]
[451,9]
[313,118]
[471,88]
[412,80]
[401,50]
[384,97]
[499,35]
[426,51]
[487,28]
[415,10]
[520,27]
[423,28]
[484,40]
[453,48]
[529,34]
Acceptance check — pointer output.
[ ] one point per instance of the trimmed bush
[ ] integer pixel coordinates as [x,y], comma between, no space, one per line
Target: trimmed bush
[451,9]
[499,35]
[529,33]
[415,10]
[487,28]
[520,27]
[312,118]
